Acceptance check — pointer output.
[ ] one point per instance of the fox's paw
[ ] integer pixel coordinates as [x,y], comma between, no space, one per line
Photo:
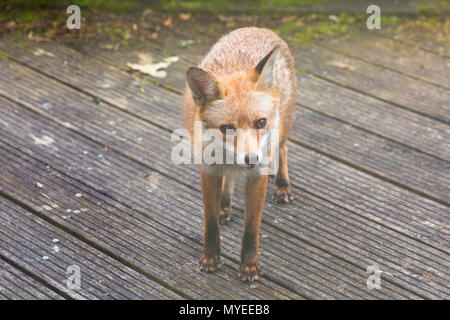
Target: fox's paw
[209,263]
[283,195]
[225,216]
[250,272]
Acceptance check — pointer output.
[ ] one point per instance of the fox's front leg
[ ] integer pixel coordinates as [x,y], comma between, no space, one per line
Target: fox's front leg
[283,192]
[255,194]
[211,191]
[227,197]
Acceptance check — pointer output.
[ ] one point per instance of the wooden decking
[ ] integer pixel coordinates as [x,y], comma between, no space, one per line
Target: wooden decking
[86,177]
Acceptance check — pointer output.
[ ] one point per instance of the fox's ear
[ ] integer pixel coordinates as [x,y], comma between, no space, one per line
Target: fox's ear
[203,87]
[265,69]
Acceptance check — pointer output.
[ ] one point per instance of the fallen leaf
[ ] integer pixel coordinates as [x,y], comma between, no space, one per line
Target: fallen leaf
[45,140]
[41,52]
[145,58]
[341,65]
[154,69]
[167,22]
[32,37]
[185,16]
[107,46]
[333,18]
[147,12]
[153,36]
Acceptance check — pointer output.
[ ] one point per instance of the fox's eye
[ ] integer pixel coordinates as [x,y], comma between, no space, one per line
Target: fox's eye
[261,123]
[227,129]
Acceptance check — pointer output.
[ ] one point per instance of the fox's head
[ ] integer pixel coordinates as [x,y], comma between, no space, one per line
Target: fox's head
[243,105]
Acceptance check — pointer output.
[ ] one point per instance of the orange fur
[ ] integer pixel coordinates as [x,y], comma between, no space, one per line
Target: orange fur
[229,89]
[231,61]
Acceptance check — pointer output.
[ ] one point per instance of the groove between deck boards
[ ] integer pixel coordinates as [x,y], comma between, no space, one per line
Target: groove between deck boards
[15,284]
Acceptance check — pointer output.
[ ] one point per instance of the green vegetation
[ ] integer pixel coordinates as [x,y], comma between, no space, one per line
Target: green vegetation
[224,6]
[128,6]
[106,5]
[4,54]
[300,29]
[121,23]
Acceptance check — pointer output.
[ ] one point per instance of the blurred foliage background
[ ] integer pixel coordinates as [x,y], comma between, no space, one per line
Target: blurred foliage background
[121,23]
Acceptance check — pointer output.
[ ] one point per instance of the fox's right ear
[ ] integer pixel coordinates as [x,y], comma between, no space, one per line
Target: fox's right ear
[265,69]
[203,87]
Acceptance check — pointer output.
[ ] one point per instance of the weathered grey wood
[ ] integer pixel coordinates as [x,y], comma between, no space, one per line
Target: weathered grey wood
[141,187]
[14,284]
[129,246]
[192,263]
[432,39]
[394,55]
[404,92]
[106,119]
[398,90]
[354,108]
[235,236]
[174,80]
[139,134]
[27,239]
[195,198]
[421,133]
[389,160]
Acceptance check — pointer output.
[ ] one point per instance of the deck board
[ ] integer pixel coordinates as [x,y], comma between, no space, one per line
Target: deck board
[15,284]
[393,88]
[395,55]
[26,239]
[381,196]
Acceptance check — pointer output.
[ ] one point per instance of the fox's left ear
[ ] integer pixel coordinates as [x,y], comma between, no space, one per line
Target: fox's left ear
[265,69]
[203,87]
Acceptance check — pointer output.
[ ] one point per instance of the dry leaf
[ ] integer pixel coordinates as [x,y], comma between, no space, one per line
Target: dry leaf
[168,22]
[154,69]
[185,16]
[107,46]
[147,12]
[341,65]
[41,52]
[145,58]
[32,37]
[153,36]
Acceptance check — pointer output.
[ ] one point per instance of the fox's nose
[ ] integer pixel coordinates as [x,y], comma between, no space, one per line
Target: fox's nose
[251,159]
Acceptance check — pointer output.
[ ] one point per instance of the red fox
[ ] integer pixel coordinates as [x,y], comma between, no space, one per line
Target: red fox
[246,81]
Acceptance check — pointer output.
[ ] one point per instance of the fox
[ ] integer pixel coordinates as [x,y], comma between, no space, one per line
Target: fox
[246,83]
